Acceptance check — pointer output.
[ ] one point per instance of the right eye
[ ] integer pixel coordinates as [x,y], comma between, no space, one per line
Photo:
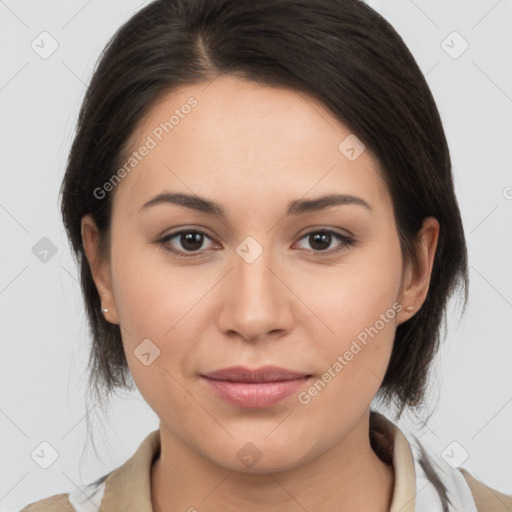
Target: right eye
[191,241]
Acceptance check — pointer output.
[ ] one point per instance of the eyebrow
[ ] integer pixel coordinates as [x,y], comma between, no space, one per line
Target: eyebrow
[297,207]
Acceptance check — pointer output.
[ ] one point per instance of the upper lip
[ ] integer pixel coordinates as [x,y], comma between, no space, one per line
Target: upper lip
[262,374]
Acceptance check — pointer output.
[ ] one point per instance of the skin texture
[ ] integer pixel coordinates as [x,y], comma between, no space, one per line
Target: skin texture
[253,149]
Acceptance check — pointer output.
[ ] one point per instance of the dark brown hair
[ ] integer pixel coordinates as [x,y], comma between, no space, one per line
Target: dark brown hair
[340,52]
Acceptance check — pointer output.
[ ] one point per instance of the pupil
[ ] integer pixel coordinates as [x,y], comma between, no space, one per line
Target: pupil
[321,237]
[192,241]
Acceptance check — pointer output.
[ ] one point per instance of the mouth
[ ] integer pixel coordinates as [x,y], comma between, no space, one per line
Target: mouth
[255,389]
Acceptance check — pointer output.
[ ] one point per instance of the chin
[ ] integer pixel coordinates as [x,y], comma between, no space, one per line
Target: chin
[260,455]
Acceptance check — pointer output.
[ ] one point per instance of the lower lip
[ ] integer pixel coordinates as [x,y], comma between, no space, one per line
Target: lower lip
[255,395]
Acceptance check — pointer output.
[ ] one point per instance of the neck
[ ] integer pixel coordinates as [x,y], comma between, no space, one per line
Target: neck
[349,476]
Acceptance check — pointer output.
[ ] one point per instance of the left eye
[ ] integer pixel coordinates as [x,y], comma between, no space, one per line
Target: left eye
[191,241]
[325,237]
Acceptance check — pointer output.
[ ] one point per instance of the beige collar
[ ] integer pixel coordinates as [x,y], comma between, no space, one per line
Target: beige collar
[405,477]
[129,486]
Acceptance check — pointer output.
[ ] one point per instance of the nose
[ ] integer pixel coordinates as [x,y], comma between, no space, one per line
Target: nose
[257,301]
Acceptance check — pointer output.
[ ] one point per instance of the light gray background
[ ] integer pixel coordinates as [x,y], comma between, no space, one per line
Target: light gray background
[42,326]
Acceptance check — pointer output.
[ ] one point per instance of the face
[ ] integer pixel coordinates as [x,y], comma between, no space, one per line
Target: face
[314,291]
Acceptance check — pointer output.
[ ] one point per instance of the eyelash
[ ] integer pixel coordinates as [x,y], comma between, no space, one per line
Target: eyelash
[345,242]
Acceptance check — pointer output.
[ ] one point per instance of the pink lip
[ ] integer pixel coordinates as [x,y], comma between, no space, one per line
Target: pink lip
[257,388]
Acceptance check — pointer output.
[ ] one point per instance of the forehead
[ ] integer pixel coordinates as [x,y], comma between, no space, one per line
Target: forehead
[260,142]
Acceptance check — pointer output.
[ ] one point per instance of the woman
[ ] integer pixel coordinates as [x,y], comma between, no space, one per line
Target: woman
[260,198]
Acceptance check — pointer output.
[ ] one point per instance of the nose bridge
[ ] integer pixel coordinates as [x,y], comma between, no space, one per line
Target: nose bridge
[255,297]
[252,270]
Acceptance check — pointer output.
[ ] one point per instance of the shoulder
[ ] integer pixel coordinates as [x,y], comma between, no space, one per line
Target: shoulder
[456,486]
[440,482]
[486,498]
[83,499]
[122,485]
[55,503]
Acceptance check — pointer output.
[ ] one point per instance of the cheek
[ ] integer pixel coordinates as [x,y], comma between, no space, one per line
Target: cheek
[155,304]
[353,295]
[152,296]
[353,360]
[358,308]
[150,302]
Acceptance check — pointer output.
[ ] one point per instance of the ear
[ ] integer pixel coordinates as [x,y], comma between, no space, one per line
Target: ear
[100,267]
[416,277]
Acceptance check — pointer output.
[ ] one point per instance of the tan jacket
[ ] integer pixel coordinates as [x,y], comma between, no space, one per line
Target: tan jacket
[128,488]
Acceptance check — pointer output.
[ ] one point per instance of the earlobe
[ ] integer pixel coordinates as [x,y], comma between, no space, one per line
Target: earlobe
[100,267]
[416,279]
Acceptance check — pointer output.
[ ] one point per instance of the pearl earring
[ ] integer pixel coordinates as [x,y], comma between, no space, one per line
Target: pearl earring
[105,310]
[409,308]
